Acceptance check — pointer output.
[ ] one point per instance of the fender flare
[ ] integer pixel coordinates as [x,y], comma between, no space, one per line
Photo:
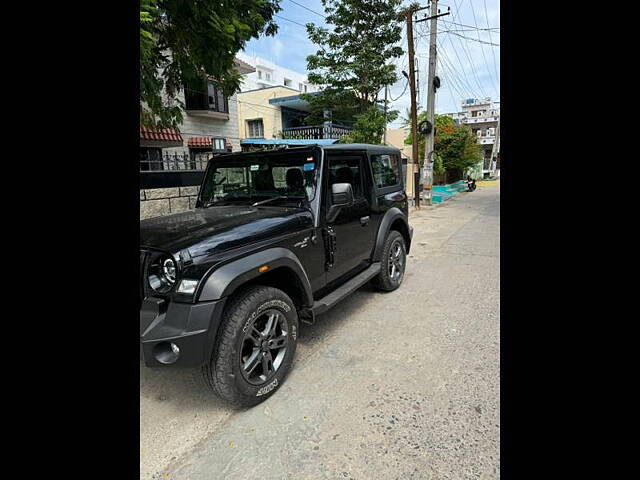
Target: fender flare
[223,281]
[388,219]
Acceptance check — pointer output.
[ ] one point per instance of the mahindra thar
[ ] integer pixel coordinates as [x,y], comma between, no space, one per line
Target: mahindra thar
[277,237]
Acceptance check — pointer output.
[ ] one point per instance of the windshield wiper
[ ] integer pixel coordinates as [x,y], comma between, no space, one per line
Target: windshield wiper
[268,200]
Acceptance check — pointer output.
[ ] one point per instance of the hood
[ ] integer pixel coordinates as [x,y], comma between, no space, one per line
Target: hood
[206,231]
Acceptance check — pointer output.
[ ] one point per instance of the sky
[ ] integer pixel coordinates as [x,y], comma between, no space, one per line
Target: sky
[468,67]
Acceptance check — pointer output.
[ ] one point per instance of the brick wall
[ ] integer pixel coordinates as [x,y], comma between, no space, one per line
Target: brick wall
[162,201]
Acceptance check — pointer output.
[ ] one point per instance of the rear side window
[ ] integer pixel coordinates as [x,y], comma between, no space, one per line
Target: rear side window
[386,170]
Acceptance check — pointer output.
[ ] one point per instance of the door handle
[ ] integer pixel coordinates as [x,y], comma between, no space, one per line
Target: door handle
[364,220]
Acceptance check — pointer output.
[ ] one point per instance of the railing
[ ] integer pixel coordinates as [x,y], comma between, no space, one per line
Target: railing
[316,132]
[479,119]
[151,160]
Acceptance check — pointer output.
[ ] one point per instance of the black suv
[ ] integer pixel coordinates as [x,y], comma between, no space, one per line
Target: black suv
[277,236]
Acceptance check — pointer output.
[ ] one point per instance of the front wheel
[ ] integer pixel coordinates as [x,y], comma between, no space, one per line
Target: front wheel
[255,346]
[394,256]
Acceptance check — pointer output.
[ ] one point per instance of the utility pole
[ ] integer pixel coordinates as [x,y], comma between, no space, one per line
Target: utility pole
[496,147]
[427,167]
[412,85]
[384,135]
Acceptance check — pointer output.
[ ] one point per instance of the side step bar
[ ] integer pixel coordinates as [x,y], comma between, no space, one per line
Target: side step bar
[328,301]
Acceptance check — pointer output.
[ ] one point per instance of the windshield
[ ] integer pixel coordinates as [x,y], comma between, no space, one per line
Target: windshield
[261,178]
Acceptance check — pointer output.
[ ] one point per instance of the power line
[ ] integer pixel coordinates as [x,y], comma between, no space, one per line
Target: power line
[463,76]
[470,26]
[473,12]
[495,68]
[312,11]
[403,92]
[465,30]
[473,40]
[292,21]
[468,54]
[460,84]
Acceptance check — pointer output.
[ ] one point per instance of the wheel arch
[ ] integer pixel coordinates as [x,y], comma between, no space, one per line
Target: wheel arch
[284,272]
[393,219]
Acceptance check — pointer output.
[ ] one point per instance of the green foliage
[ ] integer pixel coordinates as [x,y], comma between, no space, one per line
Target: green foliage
[354,60]
[455,147]
[185,41]
[438,164]
[369,126]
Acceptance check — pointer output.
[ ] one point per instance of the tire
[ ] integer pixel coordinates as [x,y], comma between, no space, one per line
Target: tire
[245,339]
[389,279]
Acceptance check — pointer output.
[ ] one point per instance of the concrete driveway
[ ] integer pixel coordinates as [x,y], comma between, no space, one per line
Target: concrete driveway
[399,385]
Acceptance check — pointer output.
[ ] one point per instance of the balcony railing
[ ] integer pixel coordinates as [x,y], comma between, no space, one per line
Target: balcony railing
[486,140]
[467,120]
[316,132]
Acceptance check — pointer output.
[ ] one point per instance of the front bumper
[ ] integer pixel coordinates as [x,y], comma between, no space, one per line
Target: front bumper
[191,327]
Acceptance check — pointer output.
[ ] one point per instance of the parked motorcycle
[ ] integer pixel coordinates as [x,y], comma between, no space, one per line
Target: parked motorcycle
[471,184]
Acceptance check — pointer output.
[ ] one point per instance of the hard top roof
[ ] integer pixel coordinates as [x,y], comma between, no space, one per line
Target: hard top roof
[360,146]
[336,146]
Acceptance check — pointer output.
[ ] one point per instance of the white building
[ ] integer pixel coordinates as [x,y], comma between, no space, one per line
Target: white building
[482,116]
[268,74]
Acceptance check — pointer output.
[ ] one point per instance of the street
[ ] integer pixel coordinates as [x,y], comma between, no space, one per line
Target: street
[399,385]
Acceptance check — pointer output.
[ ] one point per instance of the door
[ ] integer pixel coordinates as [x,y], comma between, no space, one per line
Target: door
[352,229]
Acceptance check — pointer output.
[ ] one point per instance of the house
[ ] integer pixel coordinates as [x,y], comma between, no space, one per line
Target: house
[268,74]
[395,138]
[172,161]
[275,116]
[210,125]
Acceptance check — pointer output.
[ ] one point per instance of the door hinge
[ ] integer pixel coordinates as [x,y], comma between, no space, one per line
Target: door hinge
[330,247]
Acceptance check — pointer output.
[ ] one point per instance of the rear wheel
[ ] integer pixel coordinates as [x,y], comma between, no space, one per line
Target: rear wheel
[254,348]
[393,262]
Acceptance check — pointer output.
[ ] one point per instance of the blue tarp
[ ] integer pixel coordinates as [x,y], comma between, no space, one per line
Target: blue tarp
[280,141]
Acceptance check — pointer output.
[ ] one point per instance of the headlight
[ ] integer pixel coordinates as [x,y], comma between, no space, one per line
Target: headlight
[163,273]
[188,287]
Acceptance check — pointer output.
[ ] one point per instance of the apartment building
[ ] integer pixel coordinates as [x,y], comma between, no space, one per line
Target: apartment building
[482,116]
[268,74]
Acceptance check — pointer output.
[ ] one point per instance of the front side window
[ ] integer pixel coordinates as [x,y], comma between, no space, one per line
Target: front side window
[386,170]
[274,177]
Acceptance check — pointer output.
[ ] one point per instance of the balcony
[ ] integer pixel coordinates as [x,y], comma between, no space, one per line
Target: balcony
[211,104]
[486,140]
[473,120]
[316,132]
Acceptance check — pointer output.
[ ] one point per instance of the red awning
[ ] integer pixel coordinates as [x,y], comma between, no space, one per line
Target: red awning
[199,142]
[162,135]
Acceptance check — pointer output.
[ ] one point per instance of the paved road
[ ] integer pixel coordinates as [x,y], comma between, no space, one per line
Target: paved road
[399,385]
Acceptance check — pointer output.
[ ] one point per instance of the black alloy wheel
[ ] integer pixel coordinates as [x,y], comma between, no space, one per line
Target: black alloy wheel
[394,259]
[264,347]
[254,346]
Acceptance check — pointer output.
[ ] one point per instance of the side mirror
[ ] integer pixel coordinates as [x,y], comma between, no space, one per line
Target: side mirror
[341,196]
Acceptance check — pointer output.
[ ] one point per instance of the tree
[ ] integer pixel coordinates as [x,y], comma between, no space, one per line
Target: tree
[353,62]
[369,126]
[183,42]
[455,147]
